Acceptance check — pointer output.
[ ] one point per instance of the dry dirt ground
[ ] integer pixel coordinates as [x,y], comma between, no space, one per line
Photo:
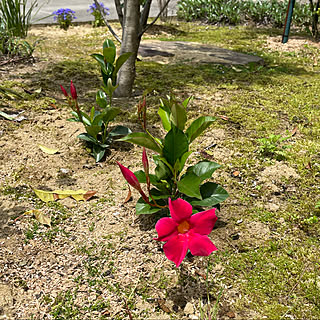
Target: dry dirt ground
[38,263]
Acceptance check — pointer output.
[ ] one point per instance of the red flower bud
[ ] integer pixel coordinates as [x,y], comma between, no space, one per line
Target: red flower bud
[73,91]
[64,91]
[129,176]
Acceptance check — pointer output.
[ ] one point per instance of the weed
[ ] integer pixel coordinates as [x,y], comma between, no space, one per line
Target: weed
[272,147]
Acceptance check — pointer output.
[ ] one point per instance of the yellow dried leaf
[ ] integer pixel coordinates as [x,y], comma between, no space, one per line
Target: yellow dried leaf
[48,150]
[40,216]
[78,195]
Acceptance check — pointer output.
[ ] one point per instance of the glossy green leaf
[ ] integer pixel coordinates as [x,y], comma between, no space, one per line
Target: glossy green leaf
[165,118]
[183,159]
[190,185]
[142,139]
[205,169]
[121,60]
[162,171]
[178,115]
[86,137]
[175,145]
[119,131]
[98,152]
[102,99]
[144,208]
[93,130]
[187,101]
[109,54]
[100,58]
[141,176]
[108,44]
[110,113]
[198,126]
[212,194]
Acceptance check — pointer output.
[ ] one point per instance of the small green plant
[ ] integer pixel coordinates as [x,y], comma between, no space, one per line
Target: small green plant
[272,147]
[318,205]
[97,14]
[64,17]
[171,179]
[98,135]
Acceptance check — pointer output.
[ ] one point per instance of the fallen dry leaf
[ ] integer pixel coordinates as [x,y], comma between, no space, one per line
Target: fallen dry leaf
[129,197]
[40,216]
[48,150]
[78,195]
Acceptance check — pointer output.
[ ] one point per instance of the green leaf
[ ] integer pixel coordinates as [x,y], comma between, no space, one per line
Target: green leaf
[109,54]
[186,102]
[121,60]
[165,118]
[98,152]
[178,115]
[212,194]
[204,169]
[87,137]
[101,99]
[119,131]
[157,194]
[162,171]
[98,118]
[144,208]
[190,185]
[183,159]
[108,44]
[100,58]
[142,139]
[93,130]
[110,113]
[198,126]
[175,145]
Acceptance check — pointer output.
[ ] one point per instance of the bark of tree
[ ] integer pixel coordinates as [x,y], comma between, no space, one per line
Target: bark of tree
[130,43]
[134,23]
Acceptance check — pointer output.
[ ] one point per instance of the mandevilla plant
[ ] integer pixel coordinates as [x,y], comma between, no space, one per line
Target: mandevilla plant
[170,179]
[96,123]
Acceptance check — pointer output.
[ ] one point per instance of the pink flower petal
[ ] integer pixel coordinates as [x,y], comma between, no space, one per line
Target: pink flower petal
[180,210]
[176,248]
[203,222]
[200,245]
[166,229]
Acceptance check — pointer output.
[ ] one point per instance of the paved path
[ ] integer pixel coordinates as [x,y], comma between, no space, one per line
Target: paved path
[46,7]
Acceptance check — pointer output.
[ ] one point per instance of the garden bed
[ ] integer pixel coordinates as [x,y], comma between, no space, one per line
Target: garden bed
[98,259]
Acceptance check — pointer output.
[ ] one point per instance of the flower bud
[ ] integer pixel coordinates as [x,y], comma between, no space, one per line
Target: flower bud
[73,91]
[64,91]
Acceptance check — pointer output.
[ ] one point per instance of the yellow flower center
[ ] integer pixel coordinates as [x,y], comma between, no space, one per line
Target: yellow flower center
[183,227]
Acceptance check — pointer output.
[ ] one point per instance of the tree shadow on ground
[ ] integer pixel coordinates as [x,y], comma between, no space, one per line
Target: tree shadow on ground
[6,223]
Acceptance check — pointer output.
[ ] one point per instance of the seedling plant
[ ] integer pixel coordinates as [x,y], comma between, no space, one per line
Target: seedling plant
[96,123]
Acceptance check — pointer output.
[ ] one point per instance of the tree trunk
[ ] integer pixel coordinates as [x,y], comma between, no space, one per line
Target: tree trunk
[130,43]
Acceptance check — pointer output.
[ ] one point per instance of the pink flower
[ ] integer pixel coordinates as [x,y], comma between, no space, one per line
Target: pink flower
[73,91]
[185,231]
[132,180]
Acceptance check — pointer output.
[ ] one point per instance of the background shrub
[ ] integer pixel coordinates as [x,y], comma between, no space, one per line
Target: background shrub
[271,12]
